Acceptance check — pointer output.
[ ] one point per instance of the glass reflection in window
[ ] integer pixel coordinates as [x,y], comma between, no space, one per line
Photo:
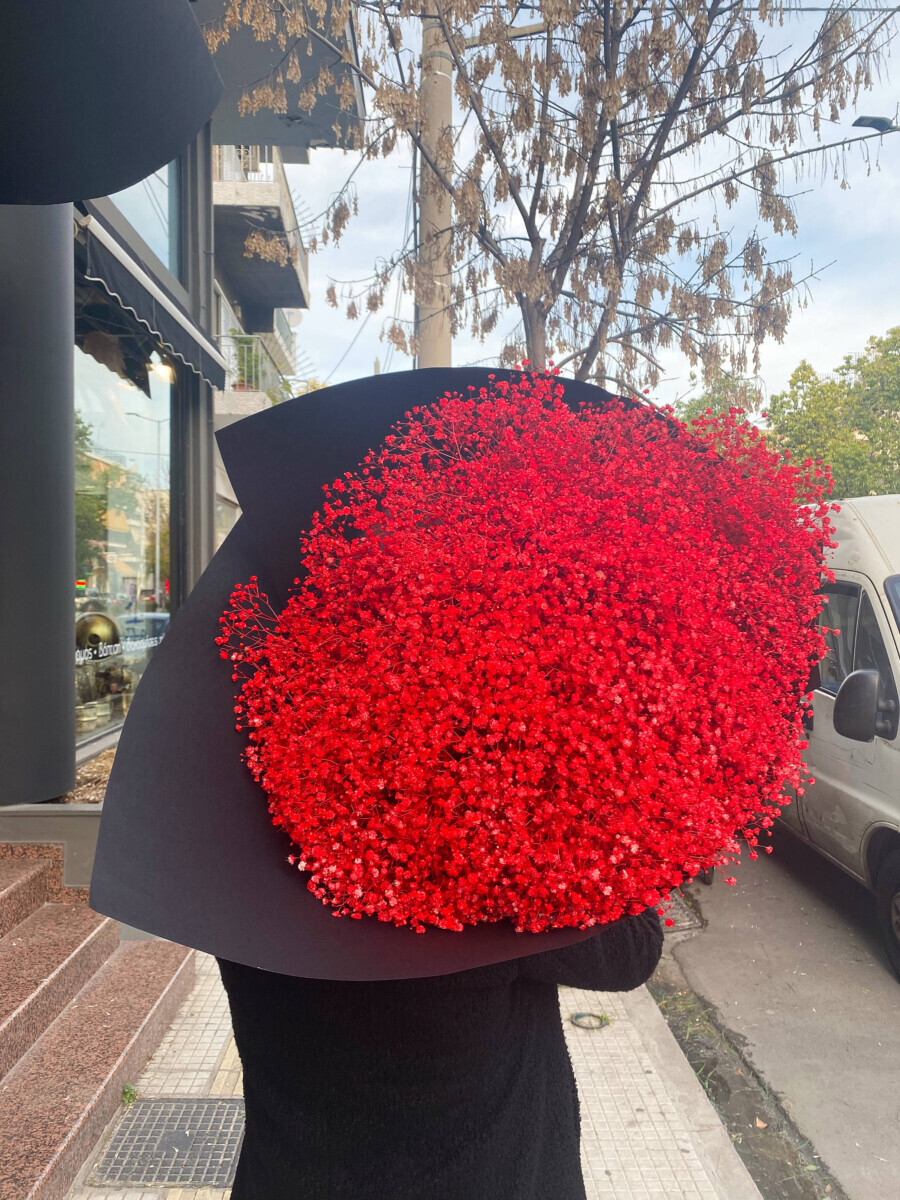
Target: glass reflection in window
[151,207]
[839,612]
[122,456]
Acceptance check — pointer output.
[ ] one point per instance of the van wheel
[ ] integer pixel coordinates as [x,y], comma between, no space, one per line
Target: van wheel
[887,901]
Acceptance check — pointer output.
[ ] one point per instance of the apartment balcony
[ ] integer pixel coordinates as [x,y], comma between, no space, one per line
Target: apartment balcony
[251,196]
[253,382]
[281,344]
[253,379]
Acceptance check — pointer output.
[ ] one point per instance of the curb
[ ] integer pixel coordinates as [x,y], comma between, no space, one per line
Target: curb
[713,1146]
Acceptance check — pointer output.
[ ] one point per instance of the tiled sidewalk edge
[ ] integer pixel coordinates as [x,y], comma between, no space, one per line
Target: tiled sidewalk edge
[710,1138]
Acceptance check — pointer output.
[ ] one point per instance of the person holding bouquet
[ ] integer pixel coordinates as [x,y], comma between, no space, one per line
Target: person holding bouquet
[491,700]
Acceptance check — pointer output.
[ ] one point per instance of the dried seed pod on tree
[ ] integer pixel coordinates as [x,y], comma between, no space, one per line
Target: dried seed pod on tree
[594,151]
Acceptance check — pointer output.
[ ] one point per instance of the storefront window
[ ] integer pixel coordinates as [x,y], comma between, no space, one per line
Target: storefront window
[122,454]
[151,208]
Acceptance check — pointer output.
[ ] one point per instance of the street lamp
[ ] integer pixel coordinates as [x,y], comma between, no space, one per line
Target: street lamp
[157,422]
[881,124]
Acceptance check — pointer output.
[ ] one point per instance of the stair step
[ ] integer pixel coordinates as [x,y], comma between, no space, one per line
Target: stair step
[45,960]
[57,1101]
[23,888]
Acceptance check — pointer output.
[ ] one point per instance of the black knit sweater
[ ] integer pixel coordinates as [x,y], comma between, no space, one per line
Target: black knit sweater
[457,1087]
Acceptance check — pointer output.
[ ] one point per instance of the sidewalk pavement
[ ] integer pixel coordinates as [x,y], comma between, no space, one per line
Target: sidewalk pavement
[649,1131]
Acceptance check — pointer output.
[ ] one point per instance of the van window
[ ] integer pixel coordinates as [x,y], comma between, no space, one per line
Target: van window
[839,612]
[871,655]
[892,588]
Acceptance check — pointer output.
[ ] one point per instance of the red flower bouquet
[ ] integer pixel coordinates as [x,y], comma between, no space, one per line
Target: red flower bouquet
[542,666]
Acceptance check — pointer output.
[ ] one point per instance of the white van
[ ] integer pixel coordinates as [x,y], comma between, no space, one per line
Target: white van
[851,814]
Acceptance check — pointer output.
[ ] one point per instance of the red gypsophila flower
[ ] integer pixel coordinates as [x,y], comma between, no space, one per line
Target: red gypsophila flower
[543,665]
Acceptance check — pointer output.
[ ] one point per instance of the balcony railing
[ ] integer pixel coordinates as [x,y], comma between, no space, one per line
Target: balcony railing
[250,164]
[284,331]
[249,367]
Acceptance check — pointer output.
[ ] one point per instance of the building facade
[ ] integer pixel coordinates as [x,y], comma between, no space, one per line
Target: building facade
[145,368]
[257,298]
[186,293]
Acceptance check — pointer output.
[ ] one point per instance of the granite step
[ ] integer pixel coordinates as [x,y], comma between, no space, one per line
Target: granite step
[24,885]
[57,1101]
[45,961]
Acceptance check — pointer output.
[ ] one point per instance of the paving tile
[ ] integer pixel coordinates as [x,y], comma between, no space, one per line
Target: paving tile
[631,1131]
[635,1143]
[188,1057]
[229,1080]
[57,1101]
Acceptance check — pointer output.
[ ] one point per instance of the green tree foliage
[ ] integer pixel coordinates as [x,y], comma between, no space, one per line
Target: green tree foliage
[874,378]
[851,419]
[99,487]
[90,501]
[726,392]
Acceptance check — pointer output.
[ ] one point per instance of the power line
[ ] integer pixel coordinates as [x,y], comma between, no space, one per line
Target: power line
[389,357]
[349,348]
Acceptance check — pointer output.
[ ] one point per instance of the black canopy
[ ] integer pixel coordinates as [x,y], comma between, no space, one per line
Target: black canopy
[98,94]
[133,284]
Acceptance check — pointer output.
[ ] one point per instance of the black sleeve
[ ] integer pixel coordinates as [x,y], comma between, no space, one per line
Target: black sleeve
[619,957]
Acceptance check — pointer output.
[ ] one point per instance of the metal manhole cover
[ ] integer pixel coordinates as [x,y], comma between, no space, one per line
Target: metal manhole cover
[680,913]
[174,1143]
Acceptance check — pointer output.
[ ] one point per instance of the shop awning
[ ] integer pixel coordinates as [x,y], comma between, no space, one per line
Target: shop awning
[128,280]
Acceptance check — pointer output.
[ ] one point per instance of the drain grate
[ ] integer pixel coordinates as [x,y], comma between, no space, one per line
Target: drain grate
[680,913]
[175,1143]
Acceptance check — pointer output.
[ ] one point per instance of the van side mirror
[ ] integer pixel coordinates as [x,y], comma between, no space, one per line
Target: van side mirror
[856,706]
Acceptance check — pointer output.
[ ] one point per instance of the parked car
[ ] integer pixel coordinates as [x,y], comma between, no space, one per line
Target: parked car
[851,814]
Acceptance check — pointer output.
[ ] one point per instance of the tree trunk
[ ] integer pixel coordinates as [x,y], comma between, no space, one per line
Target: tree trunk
[435,345]
[535,333]
[596,347]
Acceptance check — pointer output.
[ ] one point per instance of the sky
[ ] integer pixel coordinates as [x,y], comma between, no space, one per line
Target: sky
[851,237]
[125,423]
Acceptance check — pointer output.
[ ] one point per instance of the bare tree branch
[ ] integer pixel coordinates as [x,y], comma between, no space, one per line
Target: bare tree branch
[603,138]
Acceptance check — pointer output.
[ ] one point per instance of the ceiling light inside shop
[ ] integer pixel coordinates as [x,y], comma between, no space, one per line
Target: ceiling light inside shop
[163,370]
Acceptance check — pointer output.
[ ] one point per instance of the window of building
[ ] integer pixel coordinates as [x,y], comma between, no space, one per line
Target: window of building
[123,395]
[151,207]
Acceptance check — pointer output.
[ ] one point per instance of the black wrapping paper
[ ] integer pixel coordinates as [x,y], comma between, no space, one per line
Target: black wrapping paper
[186,847]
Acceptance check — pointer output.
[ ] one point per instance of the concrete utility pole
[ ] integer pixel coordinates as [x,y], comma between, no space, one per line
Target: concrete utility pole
[159,593]
[433,298]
